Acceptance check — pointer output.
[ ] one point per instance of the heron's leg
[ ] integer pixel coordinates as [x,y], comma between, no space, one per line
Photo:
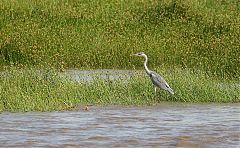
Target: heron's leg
[155,88]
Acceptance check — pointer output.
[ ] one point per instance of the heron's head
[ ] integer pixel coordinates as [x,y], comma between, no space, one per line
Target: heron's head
[139,54]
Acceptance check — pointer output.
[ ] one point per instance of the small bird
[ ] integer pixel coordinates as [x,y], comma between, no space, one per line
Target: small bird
[157,80]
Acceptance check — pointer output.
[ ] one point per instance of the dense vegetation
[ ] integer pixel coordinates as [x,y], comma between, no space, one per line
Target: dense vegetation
[194,43]
[102,34]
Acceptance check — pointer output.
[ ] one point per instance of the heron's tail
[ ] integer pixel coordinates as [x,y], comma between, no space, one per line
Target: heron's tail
[170,91]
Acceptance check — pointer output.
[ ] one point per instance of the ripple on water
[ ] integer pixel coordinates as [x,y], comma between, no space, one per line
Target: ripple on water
[167,125]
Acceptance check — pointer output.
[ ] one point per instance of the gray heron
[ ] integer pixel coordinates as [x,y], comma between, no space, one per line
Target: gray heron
[157,80]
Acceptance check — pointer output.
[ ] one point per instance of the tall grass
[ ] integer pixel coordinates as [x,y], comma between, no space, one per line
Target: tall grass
[43,90]
[201,35]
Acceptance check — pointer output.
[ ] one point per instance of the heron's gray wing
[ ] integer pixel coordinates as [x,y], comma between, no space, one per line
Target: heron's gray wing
[159,81]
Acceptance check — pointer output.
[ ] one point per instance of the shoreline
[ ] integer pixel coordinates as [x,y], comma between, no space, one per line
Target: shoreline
[29,90]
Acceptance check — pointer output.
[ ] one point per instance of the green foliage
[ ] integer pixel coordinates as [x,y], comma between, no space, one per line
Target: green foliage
[45,90]
[201,35]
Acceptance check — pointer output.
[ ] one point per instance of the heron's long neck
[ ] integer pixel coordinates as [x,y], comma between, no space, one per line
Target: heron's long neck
[145,65]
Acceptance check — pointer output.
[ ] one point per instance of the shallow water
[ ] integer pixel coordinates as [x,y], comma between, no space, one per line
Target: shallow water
[165,125]
[112,74]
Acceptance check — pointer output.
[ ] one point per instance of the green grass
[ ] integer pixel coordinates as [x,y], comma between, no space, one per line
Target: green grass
[45,90]
[200,35]
[198,40]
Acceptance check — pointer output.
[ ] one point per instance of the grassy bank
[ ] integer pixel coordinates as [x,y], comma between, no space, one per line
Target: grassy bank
[202,35]
[35,90]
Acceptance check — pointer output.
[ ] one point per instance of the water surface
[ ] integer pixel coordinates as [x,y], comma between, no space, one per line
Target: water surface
[112,74]
[165,125]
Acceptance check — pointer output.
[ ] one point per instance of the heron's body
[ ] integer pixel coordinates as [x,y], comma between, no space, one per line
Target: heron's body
[157,80]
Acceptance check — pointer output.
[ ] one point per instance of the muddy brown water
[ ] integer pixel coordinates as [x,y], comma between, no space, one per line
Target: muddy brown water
[164,125]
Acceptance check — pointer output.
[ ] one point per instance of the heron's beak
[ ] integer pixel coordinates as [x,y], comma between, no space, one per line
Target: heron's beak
[133,54]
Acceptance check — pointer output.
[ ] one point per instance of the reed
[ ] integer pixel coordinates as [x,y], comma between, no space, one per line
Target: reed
[30,89]
[200,35]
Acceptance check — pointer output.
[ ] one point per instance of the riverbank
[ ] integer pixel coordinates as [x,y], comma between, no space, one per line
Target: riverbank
[30,89]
